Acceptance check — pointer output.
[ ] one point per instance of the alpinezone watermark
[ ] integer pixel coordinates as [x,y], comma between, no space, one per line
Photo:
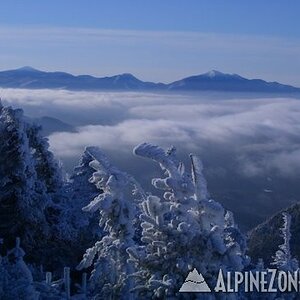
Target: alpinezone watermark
[268,281]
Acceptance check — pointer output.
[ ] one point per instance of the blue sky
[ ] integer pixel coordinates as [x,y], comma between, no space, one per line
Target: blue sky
[155,40]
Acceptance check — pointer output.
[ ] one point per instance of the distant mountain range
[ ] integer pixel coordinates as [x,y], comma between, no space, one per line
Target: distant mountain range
[30,78]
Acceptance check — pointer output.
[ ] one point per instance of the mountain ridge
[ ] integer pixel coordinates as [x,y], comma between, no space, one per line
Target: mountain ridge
[31,78]
[265,238]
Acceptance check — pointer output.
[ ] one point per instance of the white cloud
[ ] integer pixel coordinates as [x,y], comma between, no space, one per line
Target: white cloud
[263,134]
[122,137]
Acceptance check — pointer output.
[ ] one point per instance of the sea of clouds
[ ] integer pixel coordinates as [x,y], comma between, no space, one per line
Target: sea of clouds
[250,145]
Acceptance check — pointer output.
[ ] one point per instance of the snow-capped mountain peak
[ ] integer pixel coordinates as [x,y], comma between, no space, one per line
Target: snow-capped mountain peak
[214,73]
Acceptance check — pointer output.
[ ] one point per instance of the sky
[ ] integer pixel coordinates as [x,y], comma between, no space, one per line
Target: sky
[154,40]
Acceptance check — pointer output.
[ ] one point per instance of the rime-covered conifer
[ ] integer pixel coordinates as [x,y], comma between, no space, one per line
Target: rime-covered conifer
[81,192]
[110,278]
[18,282]
[23,196]
[283,259]
[183,230]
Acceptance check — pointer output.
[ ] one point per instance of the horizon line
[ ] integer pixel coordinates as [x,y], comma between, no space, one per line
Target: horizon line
[33,69]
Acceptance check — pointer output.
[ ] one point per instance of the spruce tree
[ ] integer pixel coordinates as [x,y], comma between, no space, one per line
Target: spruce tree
[23,196]
[81,191]
[283,259]
[18,281]
[183,230]
[110,278]
[33,201]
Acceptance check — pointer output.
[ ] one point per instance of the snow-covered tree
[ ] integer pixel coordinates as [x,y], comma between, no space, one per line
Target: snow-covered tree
[22,196]
[283,259]
[68,228]
[47,167]
[183,230]
[33,202]
[16,281]
[110,276]
[49,175]
[81,192]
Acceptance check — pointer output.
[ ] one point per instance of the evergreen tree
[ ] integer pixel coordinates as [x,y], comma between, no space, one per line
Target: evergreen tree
[18,281]
[283,259]
[23,196]
[47,167]
[81,192]
[50,176]
[110,276]
[183,230]
[33,201]
[60,212]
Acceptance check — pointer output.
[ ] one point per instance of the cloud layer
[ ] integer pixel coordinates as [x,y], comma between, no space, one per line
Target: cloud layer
[269,127]
[247,145]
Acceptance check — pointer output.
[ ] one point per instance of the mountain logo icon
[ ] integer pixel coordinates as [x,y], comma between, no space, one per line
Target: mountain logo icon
[195,283]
